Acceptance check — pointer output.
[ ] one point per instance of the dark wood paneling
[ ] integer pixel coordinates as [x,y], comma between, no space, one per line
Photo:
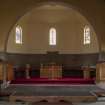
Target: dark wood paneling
[65,59]
[35,73]
[72,73]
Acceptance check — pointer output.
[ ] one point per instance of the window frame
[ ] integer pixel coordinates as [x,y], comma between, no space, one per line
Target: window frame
[52,36]
[87,35]
[18,34]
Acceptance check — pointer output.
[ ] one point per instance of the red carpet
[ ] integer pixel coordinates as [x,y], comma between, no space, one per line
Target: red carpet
[53,81]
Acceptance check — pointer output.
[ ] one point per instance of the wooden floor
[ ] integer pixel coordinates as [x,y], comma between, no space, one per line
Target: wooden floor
[53,99]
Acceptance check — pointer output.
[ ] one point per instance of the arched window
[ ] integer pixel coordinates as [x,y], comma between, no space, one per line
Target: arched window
[52,36]
[18,35]
[86,35]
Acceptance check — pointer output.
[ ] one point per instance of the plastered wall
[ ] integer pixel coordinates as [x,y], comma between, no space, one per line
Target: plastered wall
[69,25]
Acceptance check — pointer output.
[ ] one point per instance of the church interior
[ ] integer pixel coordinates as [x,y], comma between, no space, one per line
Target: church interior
[52,52]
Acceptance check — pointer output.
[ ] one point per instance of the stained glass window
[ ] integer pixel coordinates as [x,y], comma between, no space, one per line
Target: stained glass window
[86,35]
[18,36]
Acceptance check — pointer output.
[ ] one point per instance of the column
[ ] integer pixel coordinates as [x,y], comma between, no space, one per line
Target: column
[100,75]
[86,73]
[4,69]
[100,72]
[27,71]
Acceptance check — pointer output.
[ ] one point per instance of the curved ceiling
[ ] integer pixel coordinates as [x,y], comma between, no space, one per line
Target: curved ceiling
[53,14]
[69,24]
[12,10]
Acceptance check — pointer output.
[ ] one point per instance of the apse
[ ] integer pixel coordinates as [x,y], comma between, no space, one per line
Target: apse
[69,25]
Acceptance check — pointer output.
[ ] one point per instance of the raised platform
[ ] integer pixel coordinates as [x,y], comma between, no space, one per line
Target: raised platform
[53,93]
[53,81]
